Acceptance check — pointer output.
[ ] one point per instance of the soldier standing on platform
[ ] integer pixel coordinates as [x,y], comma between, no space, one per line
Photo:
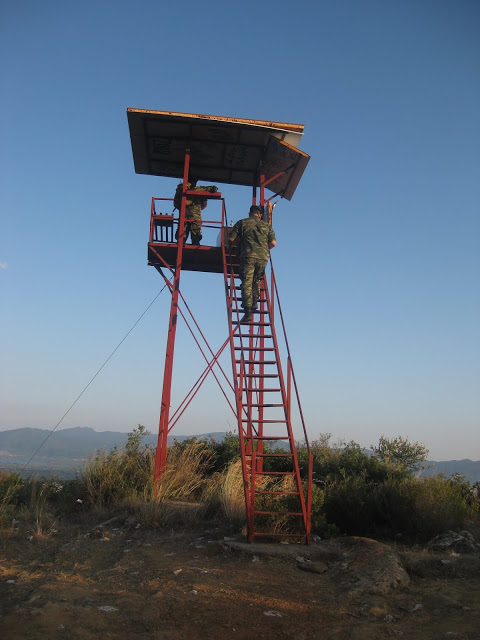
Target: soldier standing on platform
[256,238]
[193,210]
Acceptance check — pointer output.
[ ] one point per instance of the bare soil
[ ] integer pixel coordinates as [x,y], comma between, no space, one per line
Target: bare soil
[123,581]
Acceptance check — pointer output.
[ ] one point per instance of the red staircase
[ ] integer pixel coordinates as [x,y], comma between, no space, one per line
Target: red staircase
[278,504]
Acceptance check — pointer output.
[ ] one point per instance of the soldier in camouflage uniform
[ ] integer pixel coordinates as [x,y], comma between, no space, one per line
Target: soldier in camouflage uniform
[256,238]
[193,211]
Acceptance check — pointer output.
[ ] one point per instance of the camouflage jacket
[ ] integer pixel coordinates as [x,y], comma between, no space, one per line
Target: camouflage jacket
[254,236]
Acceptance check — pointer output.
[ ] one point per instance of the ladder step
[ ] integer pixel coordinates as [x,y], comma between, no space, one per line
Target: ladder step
[239,299]
[238,307]
[260,313]
[256,361]
[268,422]
[256,324]
[232,295]
[242,348]
[277,513]
[277,493]
[269,405]
[260,375]
[264,534]
[247,335]
[267,437]
[275,473]
[238,287]
[263,391]
[271,455]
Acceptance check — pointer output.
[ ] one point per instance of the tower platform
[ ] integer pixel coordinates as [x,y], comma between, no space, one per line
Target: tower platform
[194,258]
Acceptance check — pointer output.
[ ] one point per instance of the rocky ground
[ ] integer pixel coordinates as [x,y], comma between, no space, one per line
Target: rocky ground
[122,581]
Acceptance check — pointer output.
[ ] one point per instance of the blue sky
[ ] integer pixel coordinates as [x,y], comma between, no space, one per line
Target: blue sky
[377,259]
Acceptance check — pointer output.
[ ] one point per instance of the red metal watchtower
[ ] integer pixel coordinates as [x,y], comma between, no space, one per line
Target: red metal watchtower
[259,155]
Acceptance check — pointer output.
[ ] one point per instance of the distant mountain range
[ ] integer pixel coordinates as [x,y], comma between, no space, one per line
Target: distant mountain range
[65,451]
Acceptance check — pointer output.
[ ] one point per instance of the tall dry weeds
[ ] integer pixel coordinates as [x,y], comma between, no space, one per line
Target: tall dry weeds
[232,495]
[185,474]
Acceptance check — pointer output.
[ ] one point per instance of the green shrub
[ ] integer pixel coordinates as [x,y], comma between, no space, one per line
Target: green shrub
[440,505]
[347,505]
[353,492]
[415,509]
[225,452]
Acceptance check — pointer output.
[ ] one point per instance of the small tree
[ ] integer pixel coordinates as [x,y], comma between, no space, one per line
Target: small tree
[134,440]
[399,452]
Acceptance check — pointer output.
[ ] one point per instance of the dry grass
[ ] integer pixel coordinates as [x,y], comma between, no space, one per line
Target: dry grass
[231,494]
[184,476]
[167,514]
[125,480]
[117,476]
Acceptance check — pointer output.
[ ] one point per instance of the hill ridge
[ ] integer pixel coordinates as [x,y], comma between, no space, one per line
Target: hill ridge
[69,448]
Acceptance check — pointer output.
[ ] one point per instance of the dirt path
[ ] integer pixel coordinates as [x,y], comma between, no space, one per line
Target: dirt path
[124,582]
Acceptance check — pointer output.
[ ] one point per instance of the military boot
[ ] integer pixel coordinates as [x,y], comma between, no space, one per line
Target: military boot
[247,318]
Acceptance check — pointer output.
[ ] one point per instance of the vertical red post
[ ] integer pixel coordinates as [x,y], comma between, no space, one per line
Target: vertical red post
[161,453]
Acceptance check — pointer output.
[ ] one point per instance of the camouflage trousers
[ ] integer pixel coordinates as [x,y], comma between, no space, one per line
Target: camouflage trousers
[251,272]
[193,224]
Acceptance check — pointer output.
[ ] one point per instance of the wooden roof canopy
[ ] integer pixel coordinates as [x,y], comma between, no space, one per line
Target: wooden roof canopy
[222,150]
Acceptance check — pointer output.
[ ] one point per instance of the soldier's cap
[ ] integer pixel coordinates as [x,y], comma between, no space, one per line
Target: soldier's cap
[255,208]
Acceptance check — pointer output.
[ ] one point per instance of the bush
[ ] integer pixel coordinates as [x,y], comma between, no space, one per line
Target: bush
[225,452]
[118,475]
[354,493]
[415,509]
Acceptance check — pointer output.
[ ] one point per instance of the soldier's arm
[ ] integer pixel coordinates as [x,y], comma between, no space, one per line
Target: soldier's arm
[233,233]
[272,241]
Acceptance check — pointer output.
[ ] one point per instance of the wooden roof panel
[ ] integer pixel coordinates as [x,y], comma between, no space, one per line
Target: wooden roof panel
[223,150]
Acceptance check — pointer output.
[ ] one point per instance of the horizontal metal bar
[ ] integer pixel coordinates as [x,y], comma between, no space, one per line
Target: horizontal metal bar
[271,455]
[256,324]
[241,348]
[277,493]
[275,473]
[270,405]
[265,362]
[260,375]
[262,534]
[277,513]
[267,422]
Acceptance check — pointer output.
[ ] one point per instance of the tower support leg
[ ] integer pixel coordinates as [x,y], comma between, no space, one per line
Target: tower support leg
[161,453]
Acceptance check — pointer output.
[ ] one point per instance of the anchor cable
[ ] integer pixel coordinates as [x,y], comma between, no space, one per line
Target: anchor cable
[93,378]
